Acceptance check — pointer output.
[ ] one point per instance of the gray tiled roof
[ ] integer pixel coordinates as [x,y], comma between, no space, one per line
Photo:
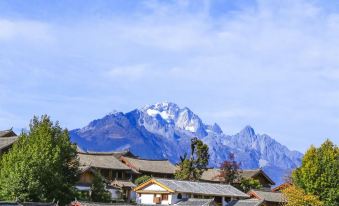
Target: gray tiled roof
[155,166]
[248,202]
[7,133]
[196,202]
[82,203]
[123,183]
[7,141]
[268,196]
[117,154]
[212,174]
[105,161]
[202,188]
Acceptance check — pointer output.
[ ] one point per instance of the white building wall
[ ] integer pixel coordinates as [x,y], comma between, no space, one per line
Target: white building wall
[147,199]
[154,187]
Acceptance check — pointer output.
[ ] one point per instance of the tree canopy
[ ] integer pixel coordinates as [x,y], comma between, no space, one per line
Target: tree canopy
[191,168]
[41,166]
[319,173]
[296,196]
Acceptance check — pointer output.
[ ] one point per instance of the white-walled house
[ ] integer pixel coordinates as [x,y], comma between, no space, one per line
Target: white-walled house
[173,192]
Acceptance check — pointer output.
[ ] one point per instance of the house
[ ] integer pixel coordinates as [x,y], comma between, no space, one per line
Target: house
[269,198]
[117,175]
[212,175]
[174,192]
[153,168]
[7,139]
[189,202]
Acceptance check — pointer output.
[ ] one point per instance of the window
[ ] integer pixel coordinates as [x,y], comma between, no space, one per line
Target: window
[179,196]
[164,196]
[120,175]
[105,173]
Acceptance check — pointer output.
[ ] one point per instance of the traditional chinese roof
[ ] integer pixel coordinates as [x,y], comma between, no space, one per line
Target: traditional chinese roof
[212,175]
[117,154]
[83,203]
[101,160]
[123,183]
[200,188]
[152,166]
[247,202]
[267,196]
[196,202]
[7,133]
[6,142]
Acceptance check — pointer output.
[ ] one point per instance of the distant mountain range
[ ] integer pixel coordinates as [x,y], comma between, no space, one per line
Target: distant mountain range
[164,130]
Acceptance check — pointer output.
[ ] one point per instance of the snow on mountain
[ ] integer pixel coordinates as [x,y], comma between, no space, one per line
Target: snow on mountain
[164,130]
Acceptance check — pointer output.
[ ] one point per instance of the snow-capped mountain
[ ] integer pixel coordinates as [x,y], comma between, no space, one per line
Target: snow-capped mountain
[164,130]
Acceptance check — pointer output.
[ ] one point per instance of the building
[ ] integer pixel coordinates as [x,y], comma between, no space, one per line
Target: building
[7,139]
[174,192]
[269,198]
[153,168]
[117,175]
[212,175]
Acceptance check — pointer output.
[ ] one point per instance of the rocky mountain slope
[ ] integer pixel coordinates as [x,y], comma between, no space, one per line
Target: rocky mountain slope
[164,130]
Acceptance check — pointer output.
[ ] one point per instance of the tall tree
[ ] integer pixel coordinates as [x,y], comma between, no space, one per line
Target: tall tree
[191,168]
[319,173]
[41,166]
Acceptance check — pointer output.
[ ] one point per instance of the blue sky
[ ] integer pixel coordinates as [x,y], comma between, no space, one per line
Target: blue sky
[271,64]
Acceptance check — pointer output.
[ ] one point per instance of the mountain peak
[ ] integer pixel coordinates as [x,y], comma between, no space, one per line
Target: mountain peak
[248,131]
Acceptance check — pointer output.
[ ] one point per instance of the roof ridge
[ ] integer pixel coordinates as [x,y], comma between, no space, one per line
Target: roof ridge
[147,159]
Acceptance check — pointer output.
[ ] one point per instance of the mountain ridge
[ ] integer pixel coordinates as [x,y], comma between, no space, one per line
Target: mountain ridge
[164,130]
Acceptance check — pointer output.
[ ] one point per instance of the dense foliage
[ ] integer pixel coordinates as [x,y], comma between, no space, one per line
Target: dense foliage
[319,173]
[247,184]
[142,179]
[296,196]
[98,190]
[192,168]
[41,166]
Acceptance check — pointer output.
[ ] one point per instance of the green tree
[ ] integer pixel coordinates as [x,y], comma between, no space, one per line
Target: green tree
[319,173]
[247,184]
[296,196]
[142,179]
[192,168]
[41,166]
[98,190]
